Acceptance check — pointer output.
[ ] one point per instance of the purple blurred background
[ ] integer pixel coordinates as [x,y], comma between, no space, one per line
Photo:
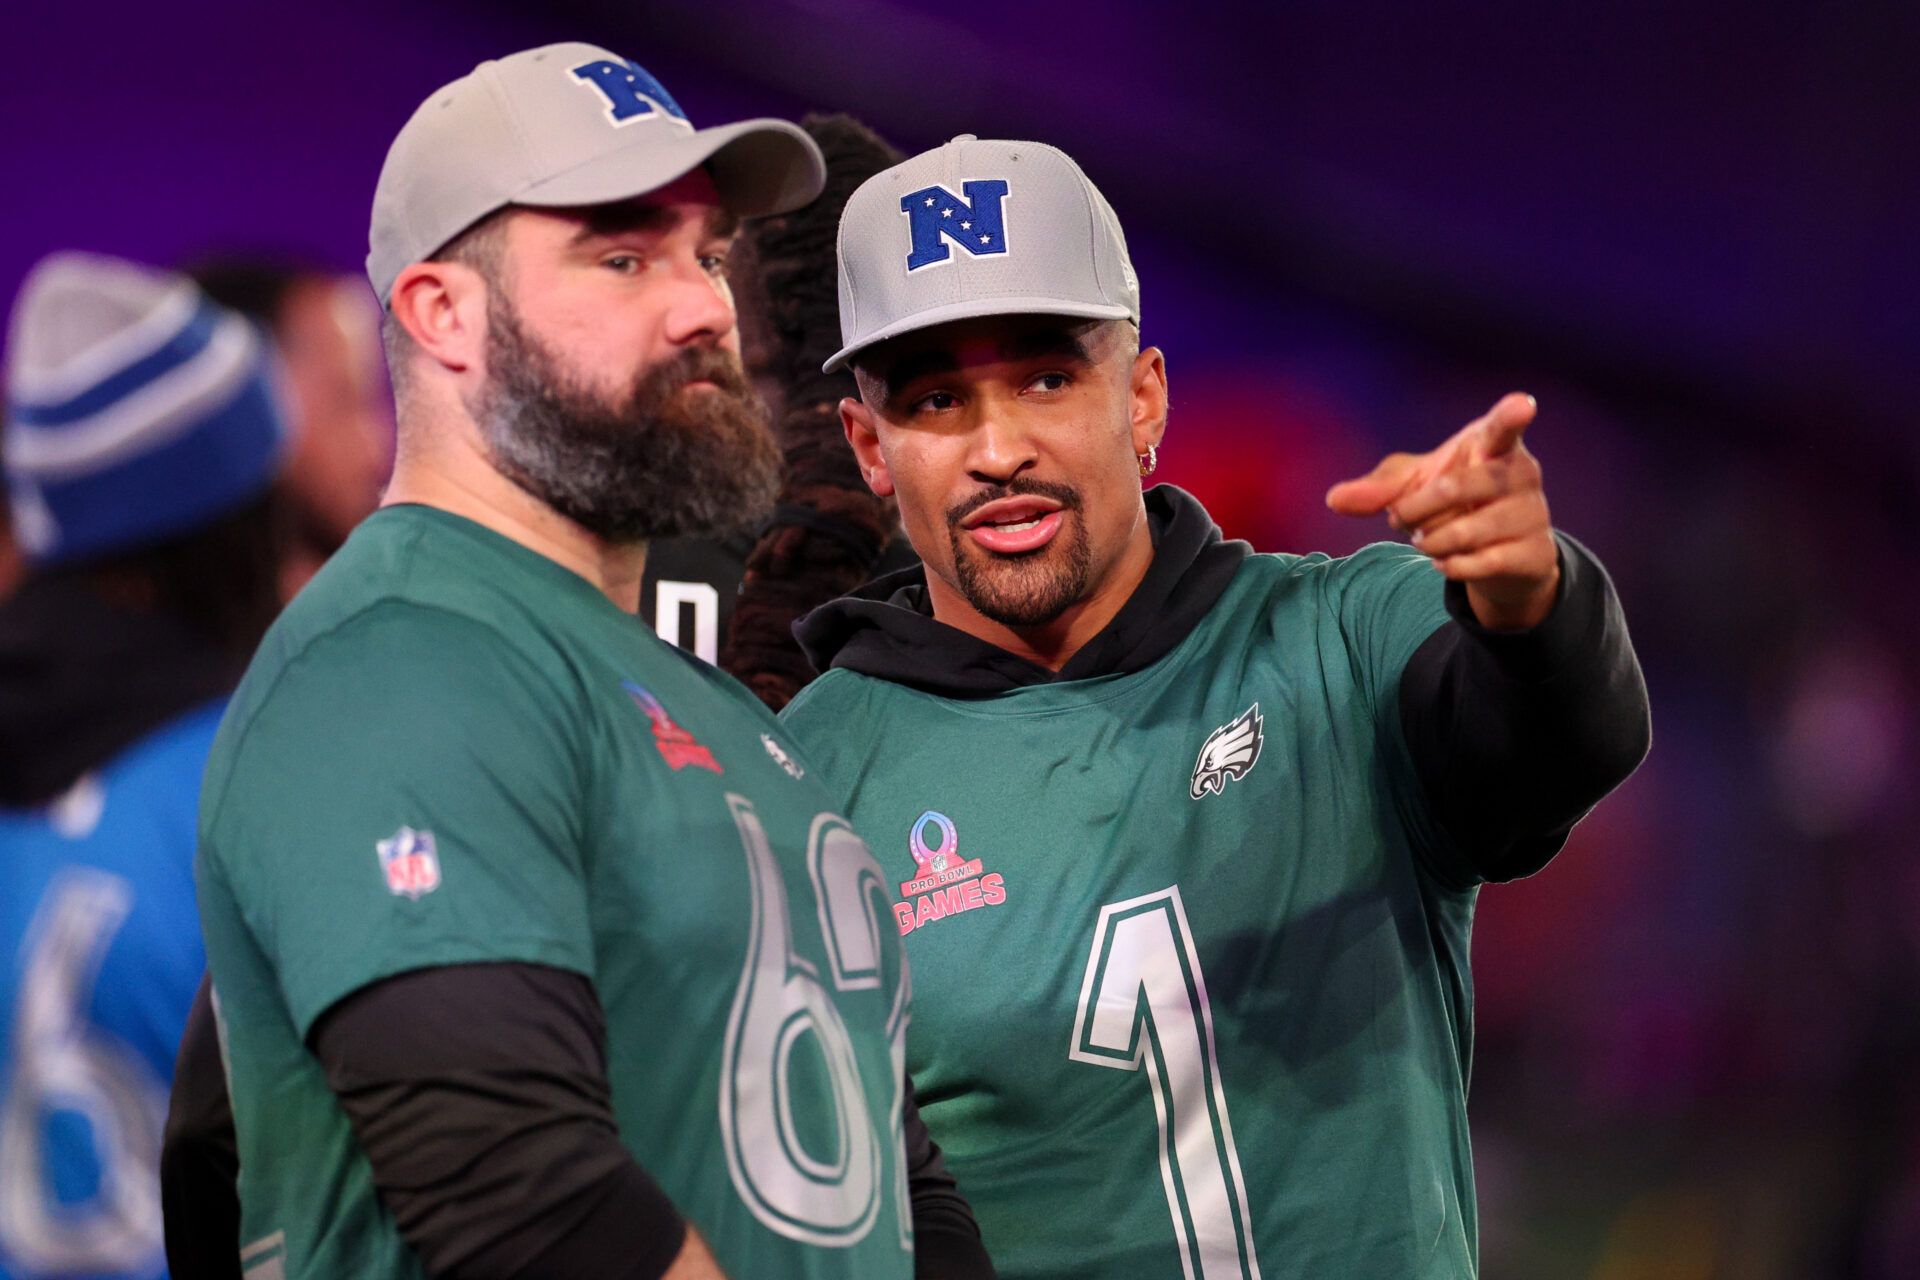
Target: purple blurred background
[1688,228]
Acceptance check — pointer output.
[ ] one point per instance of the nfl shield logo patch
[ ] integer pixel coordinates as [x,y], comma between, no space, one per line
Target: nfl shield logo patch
[411,863]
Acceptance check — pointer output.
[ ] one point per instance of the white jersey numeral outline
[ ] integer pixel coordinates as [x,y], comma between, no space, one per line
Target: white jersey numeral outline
[61,1062]
[855,920]
[1143,1007]
[779,1000]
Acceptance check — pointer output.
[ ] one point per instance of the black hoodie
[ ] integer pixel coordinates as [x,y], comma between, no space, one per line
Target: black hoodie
[1516,735]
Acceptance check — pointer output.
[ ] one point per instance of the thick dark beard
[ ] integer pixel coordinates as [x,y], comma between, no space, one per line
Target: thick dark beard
[654,464]
[1031,589]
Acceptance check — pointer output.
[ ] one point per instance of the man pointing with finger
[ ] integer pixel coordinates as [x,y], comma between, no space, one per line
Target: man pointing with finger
[1186,839]
[1476,508]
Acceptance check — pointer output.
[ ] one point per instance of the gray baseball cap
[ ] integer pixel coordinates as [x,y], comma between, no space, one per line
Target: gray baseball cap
[565,125]
[978,228]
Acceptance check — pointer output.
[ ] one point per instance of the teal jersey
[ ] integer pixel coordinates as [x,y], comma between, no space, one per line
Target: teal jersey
[1189,952]
[450,750]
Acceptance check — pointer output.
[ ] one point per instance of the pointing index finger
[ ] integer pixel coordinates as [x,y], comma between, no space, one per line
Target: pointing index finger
[1368,494]
[1505,423]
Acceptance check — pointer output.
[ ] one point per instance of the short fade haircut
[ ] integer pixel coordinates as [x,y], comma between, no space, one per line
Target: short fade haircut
[479,247]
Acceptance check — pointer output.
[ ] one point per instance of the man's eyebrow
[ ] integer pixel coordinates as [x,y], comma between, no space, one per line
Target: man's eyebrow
[613,219]
[1028,345]
[912,368]
[630,215]
[1045,342]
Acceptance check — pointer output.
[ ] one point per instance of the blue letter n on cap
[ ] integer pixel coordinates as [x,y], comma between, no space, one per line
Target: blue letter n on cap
[630,92]
[936,215]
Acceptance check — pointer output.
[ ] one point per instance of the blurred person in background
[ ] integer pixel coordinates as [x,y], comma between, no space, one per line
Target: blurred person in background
[142,441]
[326,328]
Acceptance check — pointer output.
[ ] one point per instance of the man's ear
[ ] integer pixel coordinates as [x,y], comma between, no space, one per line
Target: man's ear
[857,420]
[1148,393]
[443,308]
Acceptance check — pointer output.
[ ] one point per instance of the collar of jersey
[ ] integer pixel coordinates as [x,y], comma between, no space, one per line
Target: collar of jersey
[886,628]
[499,544]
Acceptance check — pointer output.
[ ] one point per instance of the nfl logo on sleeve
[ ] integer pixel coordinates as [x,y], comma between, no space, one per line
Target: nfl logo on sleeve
[411,863]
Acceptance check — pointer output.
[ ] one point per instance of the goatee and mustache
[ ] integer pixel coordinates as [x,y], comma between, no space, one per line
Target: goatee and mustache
[1032,588]
[655,462]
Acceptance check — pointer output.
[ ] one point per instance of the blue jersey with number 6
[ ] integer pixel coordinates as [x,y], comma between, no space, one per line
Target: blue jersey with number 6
[102,944]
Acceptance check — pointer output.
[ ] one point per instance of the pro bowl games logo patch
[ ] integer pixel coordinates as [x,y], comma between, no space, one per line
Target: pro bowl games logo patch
[944,884]
[411,863]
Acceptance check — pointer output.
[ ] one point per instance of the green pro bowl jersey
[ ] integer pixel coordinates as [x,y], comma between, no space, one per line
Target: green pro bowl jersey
[1189,953]
[451,750]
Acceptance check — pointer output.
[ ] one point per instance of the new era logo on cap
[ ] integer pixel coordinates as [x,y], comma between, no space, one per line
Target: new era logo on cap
[1015,228]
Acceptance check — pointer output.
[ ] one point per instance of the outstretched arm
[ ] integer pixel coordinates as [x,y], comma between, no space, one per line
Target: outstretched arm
[1528,706]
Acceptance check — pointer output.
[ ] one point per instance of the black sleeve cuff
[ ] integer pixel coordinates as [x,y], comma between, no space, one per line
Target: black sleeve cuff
[1568,637]
[950,1255]
[633,1232]
[1515,735]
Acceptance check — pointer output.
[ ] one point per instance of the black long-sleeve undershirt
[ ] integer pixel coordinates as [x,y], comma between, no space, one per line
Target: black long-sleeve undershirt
[479,1095]
[199,1156]
[1517,735]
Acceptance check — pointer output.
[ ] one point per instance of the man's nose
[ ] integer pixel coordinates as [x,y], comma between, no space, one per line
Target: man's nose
[700,308]
[1001,447]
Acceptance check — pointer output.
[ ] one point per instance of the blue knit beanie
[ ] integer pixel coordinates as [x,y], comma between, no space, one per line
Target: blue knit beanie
[137,409]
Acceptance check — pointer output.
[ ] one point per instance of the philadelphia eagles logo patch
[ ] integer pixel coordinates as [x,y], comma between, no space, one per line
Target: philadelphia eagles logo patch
[1229,752]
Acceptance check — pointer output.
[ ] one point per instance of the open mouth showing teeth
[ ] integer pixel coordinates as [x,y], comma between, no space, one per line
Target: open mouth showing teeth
[1020,528]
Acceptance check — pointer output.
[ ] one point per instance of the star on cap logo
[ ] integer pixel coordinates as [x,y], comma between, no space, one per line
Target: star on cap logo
[1229,752]
[975,222]
[411,863]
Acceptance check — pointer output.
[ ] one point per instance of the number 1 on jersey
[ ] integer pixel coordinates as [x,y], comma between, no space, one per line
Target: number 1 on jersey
[1143,1005]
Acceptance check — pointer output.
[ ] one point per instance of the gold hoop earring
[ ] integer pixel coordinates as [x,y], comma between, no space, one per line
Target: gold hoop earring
[1149,460]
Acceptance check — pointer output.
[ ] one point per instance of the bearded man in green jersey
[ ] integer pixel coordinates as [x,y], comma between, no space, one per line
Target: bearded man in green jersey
[535,944]
[1186,839]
